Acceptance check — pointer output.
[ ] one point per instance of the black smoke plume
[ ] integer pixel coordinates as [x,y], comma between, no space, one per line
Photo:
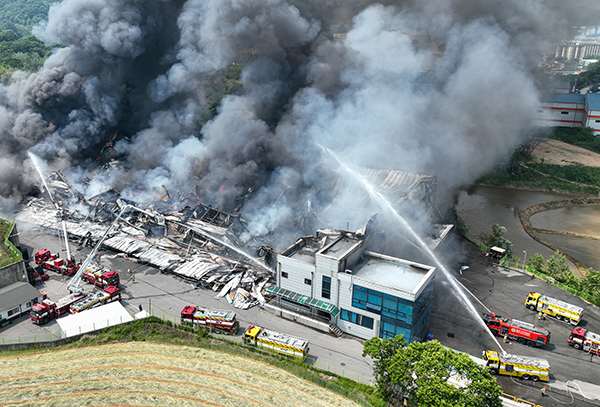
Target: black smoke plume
[441,87]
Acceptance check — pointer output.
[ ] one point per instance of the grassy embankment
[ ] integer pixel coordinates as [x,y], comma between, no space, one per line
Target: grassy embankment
[151,360]
[523,172]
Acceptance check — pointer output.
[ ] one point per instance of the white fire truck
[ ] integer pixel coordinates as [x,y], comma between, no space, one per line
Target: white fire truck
[554,308]
[277,342]
[585,340]
[524,367]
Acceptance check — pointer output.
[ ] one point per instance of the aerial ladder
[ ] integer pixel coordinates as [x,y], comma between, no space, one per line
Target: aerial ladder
[74,285]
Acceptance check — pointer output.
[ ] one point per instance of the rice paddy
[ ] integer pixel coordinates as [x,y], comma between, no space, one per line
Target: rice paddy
[151,374]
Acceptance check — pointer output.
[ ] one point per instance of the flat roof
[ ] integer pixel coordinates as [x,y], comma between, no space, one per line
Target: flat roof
[340,247]
[392,272]
[331,243]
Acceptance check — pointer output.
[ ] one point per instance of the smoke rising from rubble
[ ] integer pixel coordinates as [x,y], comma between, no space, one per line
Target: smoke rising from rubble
[432,87]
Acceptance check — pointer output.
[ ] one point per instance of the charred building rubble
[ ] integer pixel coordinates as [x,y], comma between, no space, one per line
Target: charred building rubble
[197,243]
[201,244]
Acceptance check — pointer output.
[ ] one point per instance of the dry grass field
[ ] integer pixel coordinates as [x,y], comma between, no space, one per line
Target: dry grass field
[151,374]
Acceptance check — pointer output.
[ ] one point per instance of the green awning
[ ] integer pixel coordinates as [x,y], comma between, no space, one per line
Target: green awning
[304,300]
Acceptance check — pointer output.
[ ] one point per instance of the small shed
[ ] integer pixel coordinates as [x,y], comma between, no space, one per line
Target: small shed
[497,252]
[94,319]
[16,299]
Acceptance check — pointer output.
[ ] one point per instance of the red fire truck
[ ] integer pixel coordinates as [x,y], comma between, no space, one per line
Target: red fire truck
[102,277]
[44,311]
[47,260]
[522,332]
[214,320]
[110,294]
[585,340]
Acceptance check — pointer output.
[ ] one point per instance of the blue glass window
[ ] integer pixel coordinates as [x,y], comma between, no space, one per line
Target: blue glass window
[326,287]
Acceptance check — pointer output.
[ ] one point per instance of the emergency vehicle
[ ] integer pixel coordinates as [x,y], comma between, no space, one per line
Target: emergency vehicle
[44,311]
[101,277]
[554,308]
[525,367]
[110,294]
[47,260]
[277,342]
[519,331]
[583,339]
[214,320]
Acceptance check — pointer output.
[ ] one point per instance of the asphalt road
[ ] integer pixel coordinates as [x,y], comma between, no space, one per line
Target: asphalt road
[504,293]
[453,322]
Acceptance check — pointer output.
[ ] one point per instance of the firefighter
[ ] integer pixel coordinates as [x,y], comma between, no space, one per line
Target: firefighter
[540,314]
[506,337]
[129,270]
[543,391]
[133,278]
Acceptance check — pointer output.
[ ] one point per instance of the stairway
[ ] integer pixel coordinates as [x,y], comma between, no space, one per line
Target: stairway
[336,330]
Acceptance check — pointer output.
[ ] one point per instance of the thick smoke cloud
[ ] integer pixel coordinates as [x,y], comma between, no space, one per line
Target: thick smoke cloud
[442,87]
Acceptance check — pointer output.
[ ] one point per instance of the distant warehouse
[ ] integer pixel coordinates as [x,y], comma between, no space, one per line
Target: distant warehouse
[330,277]
[569,110]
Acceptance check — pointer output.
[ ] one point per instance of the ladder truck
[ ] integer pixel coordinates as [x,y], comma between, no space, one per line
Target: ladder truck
[101,277]
[525,367]
[519,331]
[555,308]
[210,319]
[585,340]
[45,259]
[277,342]
[110,294]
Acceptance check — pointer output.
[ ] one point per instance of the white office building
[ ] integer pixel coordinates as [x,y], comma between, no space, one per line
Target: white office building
[331,277]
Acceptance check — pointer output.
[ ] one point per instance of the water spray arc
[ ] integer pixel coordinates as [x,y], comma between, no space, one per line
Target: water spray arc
[380,199]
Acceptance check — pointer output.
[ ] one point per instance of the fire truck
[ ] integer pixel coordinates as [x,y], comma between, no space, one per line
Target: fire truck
[522,332]
[214,320]
[277,342]
[554,308]
[45,259]
[583,339]
[101,277]
[525,367]
[44,311]
[110,294]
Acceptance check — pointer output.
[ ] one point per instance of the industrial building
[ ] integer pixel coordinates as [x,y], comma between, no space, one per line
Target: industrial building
[569,110]
[331,277]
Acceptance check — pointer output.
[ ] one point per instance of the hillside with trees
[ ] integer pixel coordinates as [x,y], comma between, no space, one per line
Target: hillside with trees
[20,16]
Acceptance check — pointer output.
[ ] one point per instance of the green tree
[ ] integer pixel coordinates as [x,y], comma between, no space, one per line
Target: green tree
[496,238]
[556,267]
[420,372]
[536,263]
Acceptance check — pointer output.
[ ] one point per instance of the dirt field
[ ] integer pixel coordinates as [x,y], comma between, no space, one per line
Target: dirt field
[143,374]
[560,153]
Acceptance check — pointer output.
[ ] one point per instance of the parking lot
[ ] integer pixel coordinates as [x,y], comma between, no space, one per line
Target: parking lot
[502,292]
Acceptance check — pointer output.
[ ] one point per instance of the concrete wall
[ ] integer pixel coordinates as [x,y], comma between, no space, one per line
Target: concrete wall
[560,114]
[13,274]
[593,121]
[297,272]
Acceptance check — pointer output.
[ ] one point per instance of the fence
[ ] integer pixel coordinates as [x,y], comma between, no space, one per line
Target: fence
[15,254]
